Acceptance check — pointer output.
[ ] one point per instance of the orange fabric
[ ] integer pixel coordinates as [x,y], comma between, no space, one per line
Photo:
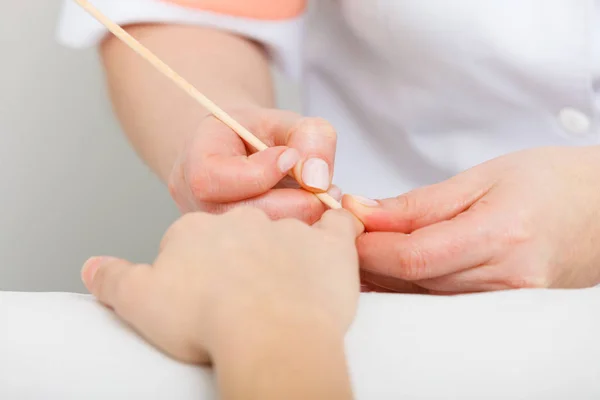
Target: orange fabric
[257,9]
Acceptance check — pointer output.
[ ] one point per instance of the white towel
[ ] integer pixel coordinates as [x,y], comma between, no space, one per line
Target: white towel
[534,344]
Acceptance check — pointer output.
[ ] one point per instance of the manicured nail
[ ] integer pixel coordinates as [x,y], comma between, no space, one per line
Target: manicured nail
[287,160]
[336,193]
[365,202]
[315,174]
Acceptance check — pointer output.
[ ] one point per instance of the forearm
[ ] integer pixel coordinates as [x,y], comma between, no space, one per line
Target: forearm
[283,361]
[154,113]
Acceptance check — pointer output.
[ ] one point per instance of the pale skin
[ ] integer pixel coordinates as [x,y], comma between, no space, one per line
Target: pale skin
[269,311]
[206,165]
[519,221]
[525,220]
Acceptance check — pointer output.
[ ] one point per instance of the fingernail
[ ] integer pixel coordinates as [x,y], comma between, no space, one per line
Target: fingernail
[91,267]
[365,202]
[336,193]
[288,159]
[315,174]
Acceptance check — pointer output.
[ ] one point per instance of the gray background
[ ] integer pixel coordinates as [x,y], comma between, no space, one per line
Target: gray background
[71,186]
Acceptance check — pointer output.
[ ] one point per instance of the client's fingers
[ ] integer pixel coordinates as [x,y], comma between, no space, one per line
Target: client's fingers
[117,283]
[278,204]
[138,299]
[341,223]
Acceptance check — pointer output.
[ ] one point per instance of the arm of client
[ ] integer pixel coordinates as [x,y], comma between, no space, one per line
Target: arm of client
[270,310]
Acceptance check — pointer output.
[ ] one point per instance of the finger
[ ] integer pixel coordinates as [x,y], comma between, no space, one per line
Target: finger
[340,223]
[130,291]
[457,284]
[225,178]
[311,137]
[316,140]
[421,207]
[436,250]
[290,183]
[191,223]
[243,176]
[389,284]
[277,204]
[483,278]
[117,284]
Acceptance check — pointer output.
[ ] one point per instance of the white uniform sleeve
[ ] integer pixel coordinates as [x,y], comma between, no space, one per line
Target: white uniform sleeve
[282,38]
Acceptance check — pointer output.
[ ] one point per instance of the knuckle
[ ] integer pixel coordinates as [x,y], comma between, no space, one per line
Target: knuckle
[270,120]
[405,202]
[319,126]
[292,225]
[519,231]
[342,220]
[524,282]
[191,220]
[126,287]
[249,213]
[185,223]
[207,118]
[200,183]
[412,264]
[308,210]
[409,204]
[531,272]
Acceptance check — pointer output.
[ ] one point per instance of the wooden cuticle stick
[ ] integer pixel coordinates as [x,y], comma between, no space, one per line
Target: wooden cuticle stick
[168,72]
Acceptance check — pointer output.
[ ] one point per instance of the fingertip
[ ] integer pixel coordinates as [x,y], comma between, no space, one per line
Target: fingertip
[359,203]
[376,215]
[90,268]
[343,220]
[360,206]
[336,193]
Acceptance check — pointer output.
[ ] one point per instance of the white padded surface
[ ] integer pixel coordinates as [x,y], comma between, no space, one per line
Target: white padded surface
[510,345]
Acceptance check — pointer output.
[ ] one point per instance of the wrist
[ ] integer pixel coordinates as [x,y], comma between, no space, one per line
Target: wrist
[258,323]
[295,358]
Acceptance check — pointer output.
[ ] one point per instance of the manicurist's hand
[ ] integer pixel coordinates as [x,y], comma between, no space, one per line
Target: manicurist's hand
[527,220]
[207,167]
[268,302]
[217,171]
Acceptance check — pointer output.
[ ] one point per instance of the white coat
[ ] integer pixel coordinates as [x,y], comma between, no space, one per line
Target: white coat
[421,90]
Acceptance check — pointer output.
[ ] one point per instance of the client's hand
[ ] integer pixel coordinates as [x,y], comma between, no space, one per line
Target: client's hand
[219,280]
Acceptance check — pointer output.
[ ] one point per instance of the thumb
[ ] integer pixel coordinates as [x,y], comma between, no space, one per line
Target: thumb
[116,283]
[418,208]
